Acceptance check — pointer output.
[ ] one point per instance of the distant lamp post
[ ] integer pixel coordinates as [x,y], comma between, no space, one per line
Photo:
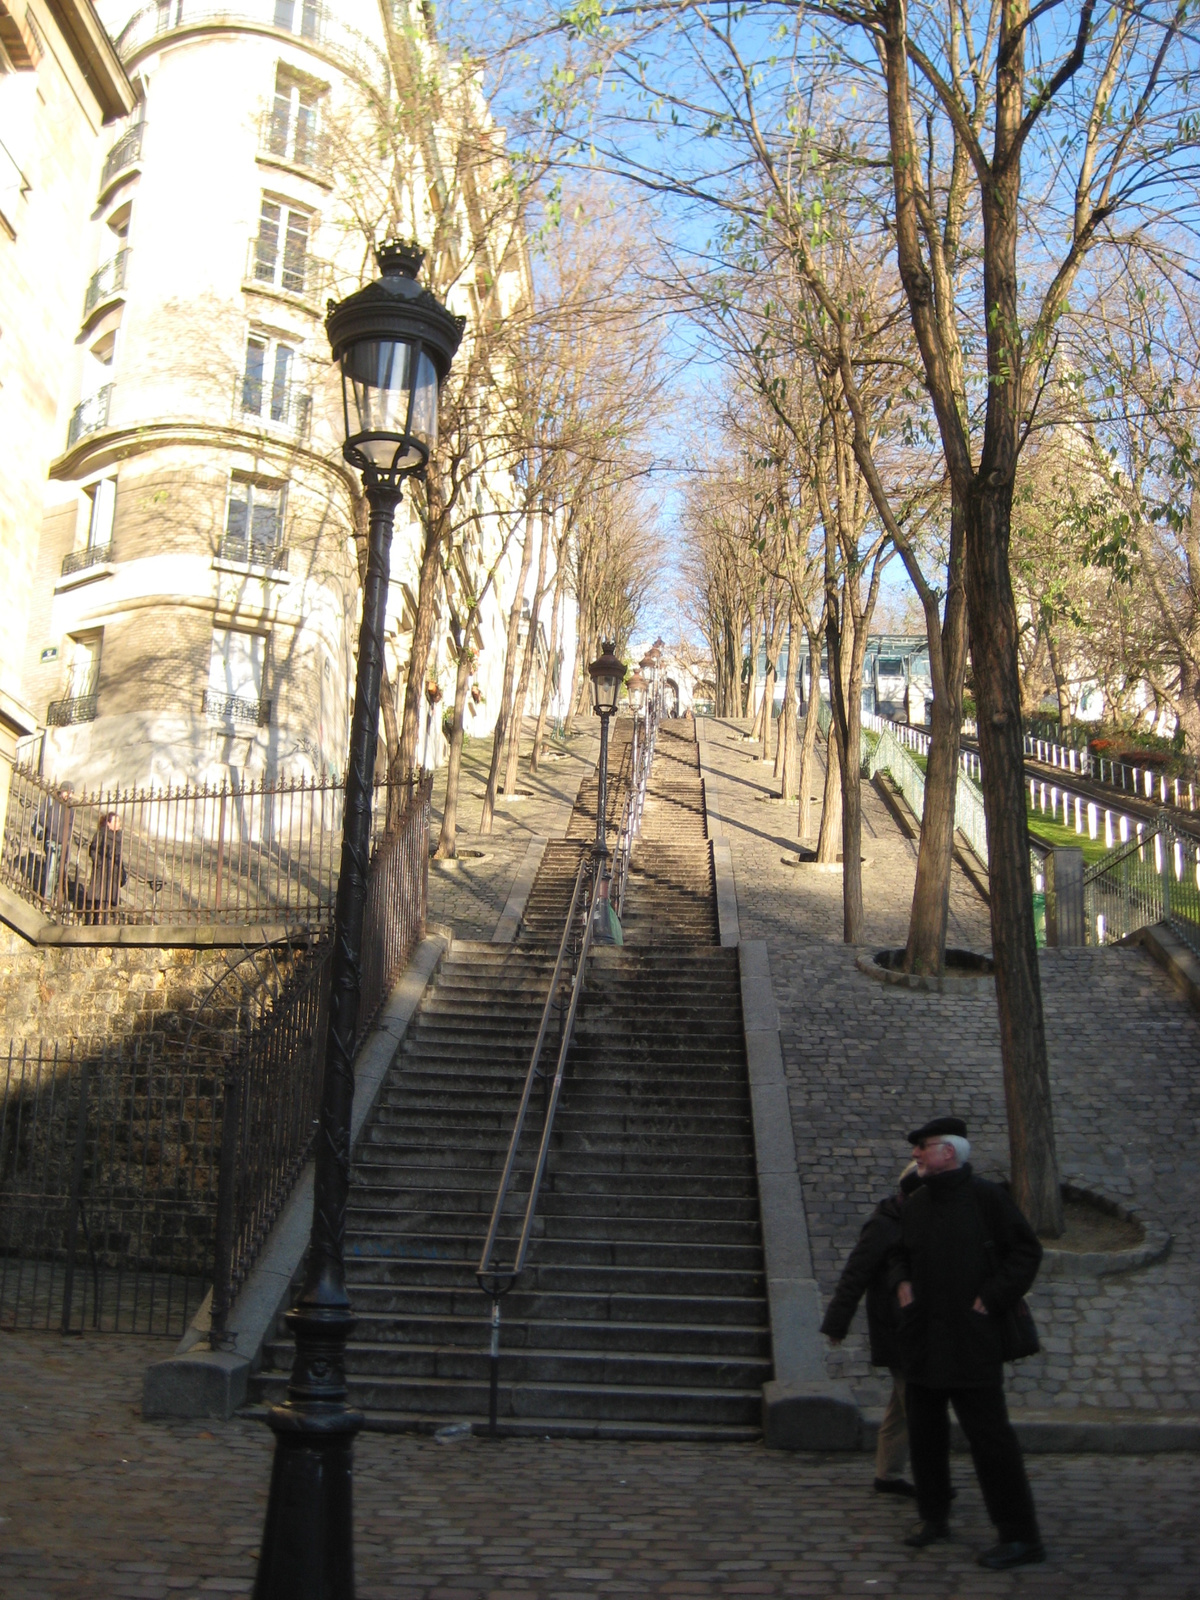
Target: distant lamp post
[607,675]
[636,691]
[394,342]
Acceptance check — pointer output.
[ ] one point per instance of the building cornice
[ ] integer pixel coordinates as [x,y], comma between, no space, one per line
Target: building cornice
[107,446]
[96,56]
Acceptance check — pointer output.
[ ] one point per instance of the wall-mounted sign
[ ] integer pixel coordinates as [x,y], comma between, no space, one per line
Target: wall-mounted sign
[50,653]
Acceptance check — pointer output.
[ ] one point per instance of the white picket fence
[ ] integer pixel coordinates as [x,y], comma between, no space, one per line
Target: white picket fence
[1147,783]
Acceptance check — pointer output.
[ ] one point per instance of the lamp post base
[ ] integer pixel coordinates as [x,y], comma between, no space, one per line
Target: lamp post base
[308,1539]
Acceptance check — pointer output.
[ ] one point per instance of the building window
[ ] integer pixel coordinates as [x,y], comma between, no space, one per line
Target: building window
[99,504]
[280,252]
[83,678]
[235,678]
[268,386]
[298,16]
[254,521]
[293,127]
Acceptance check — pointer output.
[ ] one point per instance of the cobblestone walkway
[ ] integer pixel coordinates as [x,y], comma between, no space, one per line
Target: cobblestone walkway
[469,894]
[95,1504]
[866,1062]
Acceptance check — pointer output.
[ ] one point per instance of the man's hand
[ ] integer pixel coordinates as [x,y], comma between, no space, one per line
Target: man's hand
[980,1307]
[904,1293]
[832,1339]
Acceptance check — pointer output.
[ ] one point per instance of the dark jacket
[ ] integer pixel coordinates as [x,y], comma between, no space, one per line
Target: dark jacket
[866,1272]
[960,1237]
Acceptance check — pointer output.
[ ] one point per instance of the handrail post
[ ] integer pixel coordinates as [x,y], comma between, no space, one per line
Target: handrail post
[494,1369]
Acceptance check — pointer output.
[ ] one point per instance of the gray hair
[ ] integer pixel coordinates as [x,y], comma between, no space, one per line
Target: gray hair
[960,1146]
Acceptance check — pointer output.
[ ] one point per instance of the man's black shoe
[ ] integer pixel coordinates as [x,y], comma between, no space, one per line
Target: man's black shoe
[928,1533]
[1012,1553]
[895,1486]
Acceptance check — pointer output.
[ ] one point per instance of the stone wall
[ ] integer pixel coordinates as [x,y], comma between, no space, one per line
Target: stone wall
[100,995]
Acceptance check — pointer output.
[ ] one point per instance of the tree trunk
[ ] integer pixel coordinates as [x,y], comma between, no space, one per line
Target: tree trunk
[1061,687]
[829,836]
[539,733]
[926,948]
[510,670]
[846,727]
[462,682]
[518,717]
[808,748]
[747,690]
[993,623]
[418,661]
[785,750]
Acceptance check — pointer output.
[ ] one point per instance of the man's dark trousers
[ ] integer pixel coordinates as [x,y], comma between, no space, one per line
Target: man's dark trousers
[994,1448]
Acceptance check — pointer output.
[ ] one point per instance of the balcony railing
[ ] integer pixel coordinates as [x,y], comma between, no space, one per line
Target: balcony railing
[286,138]
[317,24]
[253,552]
[90,415]
[281,403]
[77,708]
[232,708]
[271,265]
[106,281]
[94,556]
[124,153]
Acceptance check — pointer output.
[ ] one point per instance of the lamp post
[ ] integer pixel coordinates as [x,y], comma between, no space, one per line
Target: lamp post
[607,675]
[394,342]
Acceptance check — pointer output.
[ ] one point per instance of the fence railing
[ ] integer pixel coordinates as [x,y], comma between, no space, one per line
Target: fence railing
[887,746]
[1088,818]
[1152,877]
[255,854]
[134,1177]
[630,827]
[1146,782]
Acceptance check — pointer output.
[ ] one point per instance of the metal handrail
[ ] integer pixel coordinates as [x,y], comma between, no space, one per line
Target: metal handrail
[631,813]
[496,1281]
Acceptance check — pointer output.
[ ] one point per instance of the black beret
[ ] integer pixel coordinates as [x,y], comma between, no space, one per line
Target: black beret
[939,1125]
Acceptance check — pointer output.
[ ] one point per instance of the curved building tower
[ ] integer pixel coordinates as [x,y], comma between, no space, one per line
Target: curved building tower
[199,574]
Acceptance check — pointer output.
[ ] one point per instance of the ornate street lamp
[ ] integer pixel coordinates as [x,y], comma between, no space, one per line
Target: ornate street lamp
[607,675]
[636,691]
[394,342]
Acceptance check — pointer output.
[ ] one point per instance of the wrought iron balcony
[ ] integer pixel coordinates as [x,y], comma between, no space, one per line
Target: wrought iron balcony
[253,552]
[232,708]
[106,281]
[124,153]
[291,139]
[94,556]
[76,708]
[90,415]
[280,403]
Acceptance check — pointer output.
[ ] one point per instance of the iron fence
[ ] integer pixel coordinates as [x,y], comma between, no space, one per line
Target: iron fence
[889,747]
[1153,877]
[134,1177]
[257,853]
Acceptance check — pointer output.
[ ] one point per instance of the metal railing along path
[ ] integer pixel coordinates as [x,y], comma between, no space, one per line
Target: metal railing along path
[135,1174]
[634,807]
[252,853]
[889,747]
[496,1281]
[1152,877]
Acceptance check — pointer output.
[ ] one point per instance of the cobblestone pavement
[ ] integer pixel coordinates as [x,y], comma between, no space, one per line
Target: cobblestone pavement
[469,893]
[96,1504]
[865,1063]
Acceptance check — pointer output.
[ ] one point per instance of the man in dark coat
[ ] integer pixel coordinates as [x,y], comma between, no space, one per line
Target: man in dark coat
[866,1272]
[965,1256]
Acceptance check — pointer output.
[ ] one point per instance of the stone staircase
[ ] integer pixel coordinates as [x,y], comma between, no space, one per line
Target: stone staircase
[642,1311]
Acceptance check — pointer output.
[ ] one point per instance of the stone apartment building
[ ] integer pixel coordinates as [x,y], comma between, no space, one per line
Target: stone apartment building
[62,87]
[193,608]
